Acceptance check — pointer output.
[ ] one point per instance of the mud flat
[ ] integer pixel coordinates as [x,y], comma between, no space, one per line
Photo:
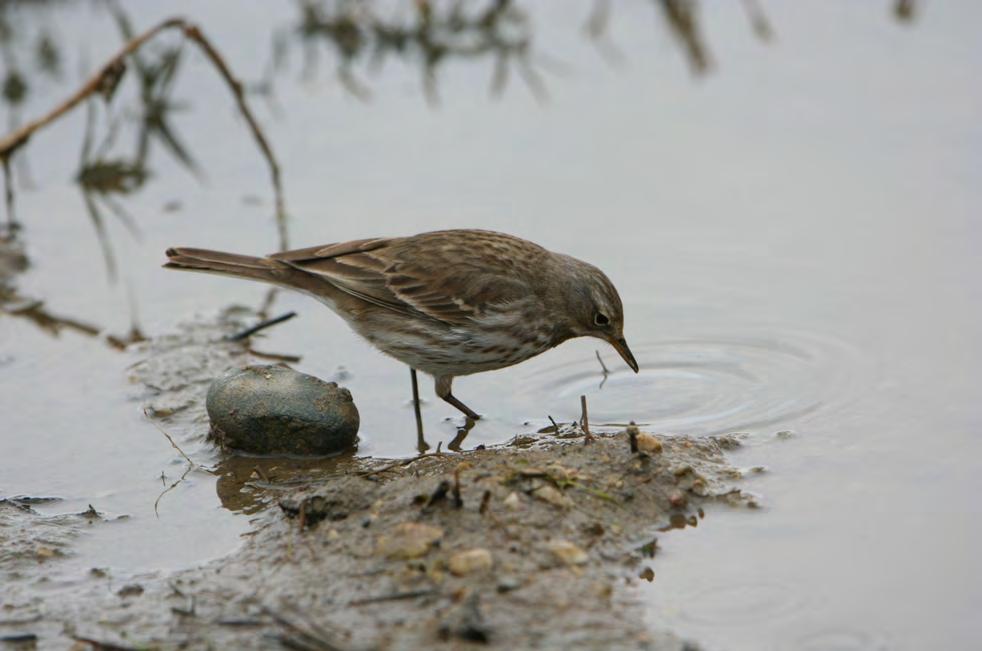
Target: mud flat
[537,543]
[533,544]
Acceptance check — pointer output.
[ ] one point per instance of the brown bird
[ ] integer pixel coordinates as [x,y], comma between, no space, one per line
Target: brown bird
[447,303]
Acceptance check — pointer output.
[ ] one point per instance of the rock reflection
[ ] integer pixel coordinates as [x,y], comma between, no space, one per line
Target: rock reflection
[249,484]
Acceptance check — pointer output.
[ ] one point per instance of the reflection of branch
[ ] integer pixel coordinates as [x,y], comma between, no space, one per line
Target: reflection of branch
[758,20]
[35,312]
[683,20]
[904,10]
[105,80]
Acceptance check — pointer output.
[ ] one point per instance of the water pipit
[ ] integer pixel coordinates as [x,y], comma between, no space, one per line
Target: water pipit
[447,303]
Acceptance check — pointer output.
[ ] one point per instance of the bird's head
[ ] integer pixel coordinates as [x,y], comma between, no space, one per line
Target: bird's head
[595,308]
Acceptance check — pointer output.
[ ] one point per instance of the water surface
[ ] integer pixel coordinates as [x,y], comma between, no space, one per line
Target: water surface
[794,231]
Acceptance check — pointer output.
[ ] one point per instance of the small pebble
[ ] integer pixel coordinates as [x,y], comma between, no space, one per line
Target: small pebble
[513,502]
[649,444]
[568,553]
[408,540]
[470,561]
[678,500]
[552,495]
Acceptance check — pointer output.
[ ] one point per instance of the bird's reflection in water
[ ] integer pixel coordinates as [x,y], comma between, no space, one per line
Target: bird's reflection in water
[461,434]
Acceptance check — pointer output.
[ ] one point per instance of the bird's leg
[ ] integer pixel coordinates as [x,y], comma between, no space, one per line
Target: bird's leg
[443,383]
[421,444]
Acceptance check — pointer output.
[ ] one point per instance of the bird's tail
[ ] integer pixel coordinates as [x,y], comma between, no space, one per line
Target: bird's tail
[228,264]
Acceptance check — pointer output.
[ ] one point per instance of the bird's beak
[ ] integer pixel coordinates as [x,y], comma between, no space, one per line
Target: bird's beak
[620,345]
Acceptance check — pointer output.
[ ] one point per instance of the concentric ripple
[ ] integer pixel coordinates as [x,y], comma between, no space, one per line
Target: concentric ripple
[713,384]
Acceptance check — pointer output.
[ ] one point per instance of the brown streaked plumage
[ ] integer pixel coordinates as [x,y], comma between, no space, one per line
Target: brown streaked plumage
[447,303]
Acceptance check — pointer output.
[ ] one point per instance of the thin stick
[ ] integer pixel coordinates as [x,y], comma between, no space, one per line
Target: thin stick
[603,366]
[276,357]
[585,421]
[183,476]
[262,325]
[403,462]
[395,596]
[146,412]
[191,464]
[108,75]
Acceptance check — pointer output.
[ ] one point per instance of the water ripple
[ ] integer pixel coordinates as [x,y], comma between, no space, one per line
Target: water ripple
[714,384]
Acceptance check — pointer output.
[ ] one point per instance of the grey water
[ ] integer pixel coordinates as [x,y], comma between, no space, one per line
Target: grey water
[788,202]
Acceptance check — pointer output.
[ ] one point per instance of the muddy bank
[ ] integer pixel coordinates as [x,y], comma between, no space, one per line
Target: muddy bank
[534,544]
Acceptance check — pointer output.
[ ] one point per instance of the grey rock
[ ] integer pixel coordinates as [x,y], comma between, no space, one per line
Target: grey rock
[276,410]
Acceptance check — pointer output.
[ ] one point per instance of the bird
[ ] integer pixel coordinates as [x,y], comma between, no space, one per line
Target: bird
[447,303]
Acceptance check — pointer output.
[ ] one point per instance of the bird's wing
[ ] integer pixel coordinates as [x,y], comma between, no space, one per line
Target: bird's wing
[441,277]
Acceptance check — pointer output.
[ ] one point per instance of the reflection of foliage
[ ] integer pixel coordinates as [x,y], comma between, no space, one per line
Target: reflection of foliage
[101,179]
[682,18]
[904,10]
[104,179]
[499,31]
[156,83]
[433,34]
[15,41]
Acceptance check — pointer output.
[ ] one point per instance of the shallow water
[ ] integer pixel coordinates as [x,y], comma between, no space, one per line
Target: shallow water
[794,233]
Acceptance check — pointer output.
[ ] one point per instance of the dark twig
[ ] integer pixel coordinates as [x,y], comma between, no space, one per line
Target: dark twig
[585,421]
[103,646]
[395,596]
[311,637]
[402,462]
[276,357]
[262,325]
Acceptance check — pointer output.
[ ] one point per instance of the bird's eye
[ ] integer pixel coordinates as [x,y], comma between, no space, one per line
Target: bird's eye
[601,319]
